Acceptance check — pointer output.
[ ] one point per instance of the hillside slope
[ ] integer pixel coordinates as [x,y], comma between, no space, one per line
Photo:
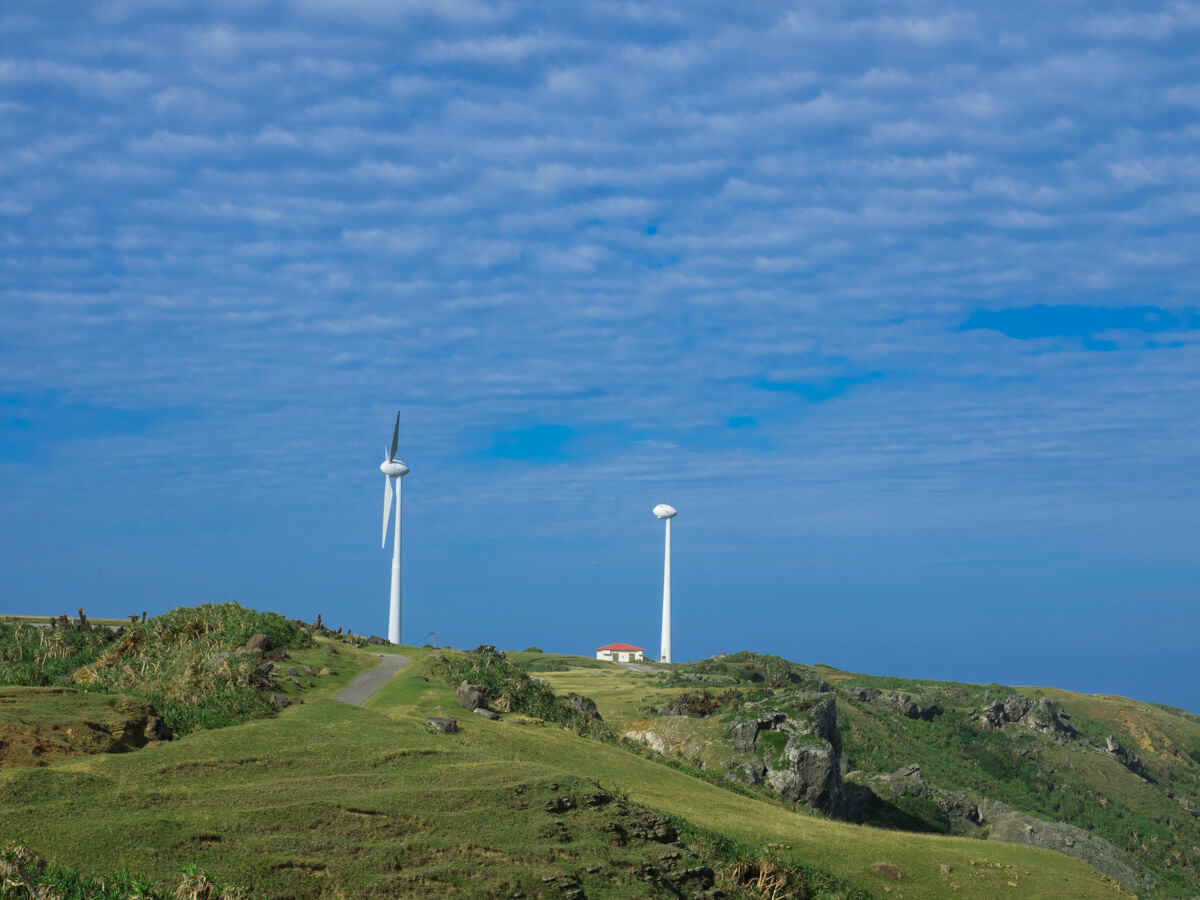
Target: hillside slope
[1105,779]
[332,800]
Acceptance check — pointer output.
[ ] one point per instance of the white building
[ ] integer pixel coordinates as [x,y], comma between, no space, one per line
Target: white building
[619,653]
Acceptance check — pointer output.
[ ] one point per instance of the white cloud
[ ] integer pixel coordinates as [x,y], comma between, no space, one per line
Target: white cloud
[386,172]
[494,49]
[109,83]
[169,143]
[273,136]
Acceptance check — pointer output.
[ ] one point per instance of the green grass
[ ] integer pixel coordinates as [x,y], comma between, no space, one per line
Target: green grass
[330,799]
[169,660]
[1030,772]
[24,875]
[1042,777]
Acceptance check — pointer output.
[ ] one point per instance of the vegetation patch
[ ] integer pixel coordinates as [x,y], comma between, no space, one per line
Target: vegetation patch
[184,662]
[24,875]
[509,687]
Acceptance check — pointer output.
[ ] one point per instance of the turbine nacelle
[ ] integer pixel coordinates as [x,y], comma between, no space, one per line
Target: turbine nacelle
[662,511]
[394,468]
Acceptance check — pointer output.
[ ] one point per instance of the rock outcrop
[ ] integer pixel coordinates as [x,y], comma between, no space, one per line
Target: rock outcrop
[442,724]
[960,812]
[585,705]
[471,696]
[801,761]
[1125,757]
[1042,715]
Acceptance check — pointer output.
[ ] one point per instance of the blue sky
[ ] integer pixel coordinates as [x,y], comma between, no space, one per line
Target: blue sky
[895,302]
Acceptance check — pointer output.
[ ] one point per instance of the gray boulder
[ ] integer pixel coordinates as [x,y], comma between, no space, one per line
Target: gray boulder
[1042,715]
[1015,708]
[957,807]
[585,705]
[809,770]
[442,724]
[486,713]
[279,701]
[751,772]
[258,642]
[811,774]
[1045,716]
[471,696]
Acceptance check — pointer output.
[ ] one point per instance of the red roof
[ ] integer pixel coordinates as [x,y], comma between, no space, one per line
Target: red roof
[623,647]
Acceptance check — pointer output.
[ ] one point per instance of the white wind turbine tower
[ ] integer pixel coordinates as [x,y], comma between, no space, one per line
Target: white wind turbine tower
[393,470]
[663,511]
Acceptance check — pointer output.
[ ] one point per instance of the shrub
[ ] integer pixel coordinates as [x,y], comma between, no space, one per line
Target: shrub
[508,685]
[171,660]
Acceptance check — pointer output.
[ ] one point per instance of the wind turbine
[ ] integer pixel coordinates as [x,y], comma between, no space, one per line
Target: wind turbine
[663,511]
[393,470]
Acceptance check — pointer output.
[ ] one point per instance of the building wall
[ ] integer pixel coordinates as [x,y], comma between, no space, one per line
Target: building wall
[619,655]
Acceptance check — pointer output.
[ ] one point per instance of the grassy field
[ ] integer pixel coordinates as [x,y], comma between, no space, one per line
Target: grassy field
[328,800]
[335,801]
[1045,775]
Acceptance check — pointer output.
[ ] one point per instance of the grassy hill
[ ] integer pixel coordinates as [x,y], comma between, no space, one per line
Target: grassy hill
[322,799]
[1141,797]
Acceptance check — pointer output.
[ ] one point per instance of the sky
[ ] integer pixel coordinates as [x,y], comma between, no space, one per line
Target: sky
[894,301]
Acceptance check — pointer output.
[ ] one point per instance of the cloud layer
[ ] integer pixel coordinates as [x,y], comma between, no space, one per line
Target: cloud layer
[895,302]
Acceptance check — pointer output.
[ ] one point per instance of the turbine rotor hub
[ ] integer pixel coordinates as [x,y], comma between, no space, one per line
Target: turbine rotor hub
[396,468]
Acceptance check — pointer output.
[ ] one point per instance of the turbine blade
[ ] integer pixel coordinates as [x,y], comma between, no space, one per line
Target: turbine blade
[395,438]
[387,507]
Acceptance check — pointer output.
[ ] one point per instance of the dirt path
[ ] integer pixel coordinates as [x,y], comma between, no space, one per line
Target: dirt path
[363,688]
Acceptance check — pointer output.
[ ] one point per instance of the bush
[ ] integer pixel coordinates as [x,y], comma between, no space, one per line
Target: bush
[171,660]
[38,657]
[545,665]
[24,874]
[509,686]
[534,649]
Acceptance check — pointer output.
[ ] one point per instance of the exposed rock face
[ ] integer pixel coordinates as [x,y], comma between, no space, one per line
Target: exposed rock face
[1045,716]
[1126,757]
[960,811]
[809,768]
[811,775]
[906,704]
[1189,806]
[668,734]
[1017,828]
[471,696]
[585,705]
[745,732]
[1042,715]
